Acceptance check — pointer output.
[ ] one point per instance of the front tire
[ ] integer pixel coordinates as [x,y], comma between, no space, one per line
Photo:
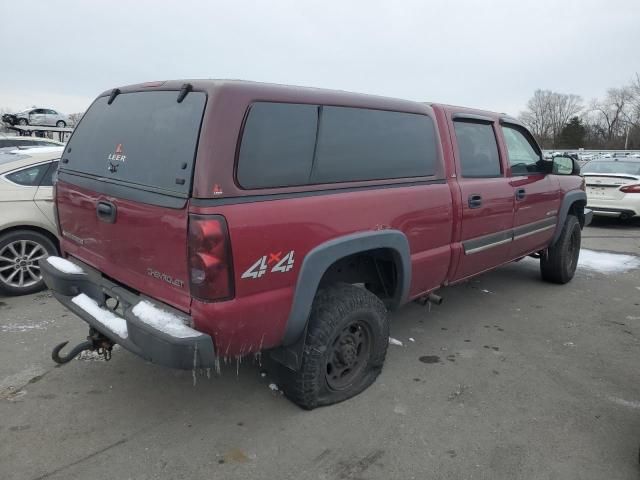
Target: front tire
[558,264]
[346,345]
[21,252]
[23,122]
[61,124]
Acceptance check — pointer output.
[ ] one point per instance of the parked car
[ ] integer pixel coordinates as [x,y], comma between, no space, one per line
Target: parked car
[247,217]
[613,187]
[27,221]
[37,117]
[13,142]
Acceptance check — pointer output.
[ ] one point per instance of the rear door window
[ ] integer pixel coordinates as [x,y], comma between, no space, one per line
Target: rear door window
[144,139]
[478,150]
[30,176]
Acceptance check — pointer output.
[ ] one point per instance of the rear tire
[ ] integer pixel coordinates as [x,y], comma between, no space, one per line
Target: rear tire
[346,345]
[558,264]
[61,124]
[21,252]
[23,122]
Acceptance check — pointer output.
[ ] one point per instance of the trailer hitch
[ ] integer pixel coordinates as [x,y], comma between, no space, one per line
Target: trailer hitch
[95,342]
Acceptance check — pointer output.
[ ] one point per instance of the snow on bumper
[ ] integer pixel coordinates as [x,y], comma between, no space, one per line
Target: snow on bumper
[152,331]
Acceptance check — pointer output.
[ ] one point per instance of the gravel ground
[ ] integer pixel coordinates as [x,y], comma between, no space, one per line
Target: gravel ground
[509,378]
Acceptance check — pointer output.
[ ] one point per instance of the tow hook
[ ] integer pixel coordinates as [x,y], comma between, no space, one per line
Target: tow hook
[95,342]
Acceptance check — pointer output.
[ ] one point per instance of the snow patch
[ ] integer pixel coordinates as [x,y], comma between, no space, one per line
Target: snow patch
[395,341]
[273,387]
[165,321]
[64,265]
[607,262]
[411,339]
[105,317]
[625,403]
[36,150]
[19,328]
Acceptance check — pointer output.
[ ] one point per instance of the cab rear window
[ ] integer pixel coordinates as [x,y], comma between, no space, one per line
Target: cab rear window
[144,139]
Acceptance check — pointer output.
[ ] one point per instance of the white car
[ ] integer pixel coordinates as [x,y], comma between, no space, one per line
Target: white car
[613,187]
[38,116]
[28,232]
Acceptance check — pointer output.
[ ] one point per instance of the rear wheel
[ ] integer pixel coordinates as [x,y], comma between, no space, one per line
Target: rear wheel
[558,264]
[61,124]
[345,348]
[21,252]
[23,121]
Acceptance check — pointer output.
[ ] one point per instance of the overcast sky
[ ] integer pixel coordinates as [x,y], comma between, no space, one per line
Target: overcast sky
[489,54]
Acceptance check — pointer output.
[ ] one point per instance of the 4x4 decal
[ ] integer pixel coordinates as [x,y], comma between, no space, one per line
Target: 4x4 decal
[263,264]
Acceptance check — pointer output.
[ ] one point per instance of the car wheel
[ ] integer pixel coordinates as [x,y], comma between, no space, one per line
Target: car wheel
[558,264]
[61,124]
[23,121]
[346,344]
[21,252]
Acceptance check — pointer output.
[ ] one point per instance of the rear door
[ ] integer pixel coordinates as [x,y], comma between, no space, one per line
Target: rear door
[124,183]
[537,193]
[487,196]
[37,117]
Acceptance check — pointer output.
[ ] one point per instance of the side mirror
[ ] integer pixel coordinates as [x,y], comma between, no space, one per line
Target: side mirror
[565,165]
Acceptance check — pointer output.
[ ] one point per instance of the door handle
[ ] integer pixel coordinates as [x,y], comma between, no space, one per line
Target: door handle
[520,194]
[106,211]
[475,201]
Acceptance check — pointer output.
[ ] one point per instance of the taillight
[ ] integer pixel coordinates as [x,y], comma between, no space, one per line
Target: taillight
[630,189]
[210,263]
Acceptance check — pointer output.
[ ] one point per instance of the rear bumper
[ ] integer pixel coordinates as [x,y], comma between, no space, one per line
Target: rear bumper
[613,212]
[629,205]
[140,337]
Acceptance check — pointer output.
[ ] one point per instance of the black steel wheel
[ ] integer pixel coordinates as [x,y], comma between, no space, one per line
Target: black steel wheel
[348,355]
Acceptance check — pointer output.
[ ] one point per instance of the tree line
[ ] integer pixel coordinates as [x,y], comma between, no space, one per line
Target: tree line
[564,121]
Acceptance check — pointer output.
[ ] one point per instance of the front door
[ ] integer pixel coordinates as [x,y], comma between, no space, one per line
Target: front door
[537,193]
[487,197]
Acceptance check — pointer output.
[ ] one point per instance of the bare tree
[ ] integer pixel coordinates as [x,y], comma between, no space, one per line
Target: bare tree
[537,115]
[612,115]
[548,113]
[75,117]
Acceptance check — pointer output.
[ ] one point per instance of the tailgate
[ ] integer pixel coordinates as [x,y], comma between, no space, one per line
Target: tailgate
[123,189]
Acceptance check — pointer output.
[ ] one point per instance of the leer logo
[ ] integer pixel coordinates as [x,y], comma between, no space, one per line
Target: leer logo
[117,156]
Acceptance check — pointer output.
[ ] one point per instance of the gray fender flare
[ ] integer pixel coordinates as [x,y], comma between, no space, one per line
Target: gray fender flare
[319,259]
[569,199]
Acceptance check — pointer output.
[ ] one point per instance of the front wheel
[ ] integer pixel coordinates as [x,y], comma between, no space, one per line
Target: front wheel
[559,262]
[23,122]
[61,124]
[345,347]
[21,252]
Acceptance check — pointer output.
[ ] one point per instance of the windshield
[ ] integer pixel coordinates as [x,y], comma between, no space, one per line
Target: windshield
[142,138]
[631,168]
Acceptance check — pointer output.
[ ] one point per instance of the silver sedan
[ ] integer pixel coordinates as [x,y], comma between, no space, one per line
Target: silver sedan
[42,116]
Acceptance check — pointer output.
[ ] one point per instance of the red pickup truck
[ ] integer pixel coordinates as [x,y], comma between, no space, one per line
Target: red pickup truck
[202,220]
